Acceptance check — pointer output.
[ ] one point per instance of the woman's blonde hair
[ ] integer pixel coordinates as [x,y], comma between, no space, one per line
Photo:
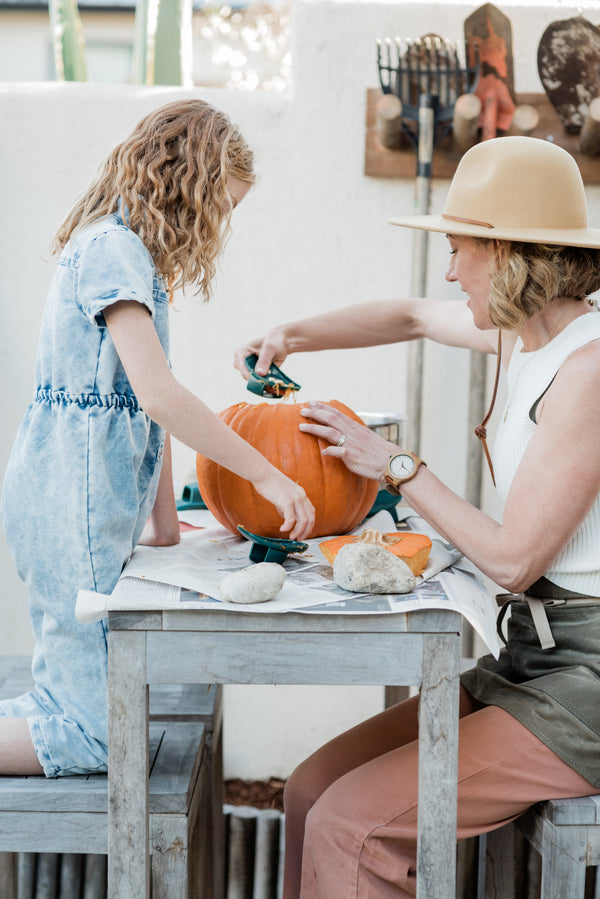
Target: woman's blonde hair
[528,276]
[170,175]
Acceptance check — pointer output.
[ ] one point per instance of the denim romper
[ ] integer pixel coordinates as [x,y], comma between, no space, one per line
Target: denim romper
[79,487]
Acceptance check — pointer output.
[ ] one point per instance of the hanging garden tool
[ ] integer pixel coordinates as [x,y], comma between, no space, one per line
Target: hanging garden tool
[424,74]
[569,69]
[488,36]
[427,77]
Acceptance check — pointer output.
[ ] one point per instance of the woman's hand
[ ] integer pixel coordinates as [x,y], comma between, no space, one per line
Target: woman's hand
[362,451]
[291,502]
[270,348]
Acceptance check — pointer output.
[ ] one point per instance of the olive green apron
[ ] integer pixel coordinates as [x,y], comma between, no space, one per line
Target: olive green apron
[554,693]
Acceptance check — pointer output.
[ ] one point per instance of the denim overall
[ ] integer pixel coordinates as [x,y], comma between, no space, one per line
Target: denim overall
[79,487]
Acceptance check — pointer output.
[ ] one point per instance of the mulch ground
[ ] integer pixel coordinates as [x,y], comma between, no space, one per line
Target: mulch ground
[256,793]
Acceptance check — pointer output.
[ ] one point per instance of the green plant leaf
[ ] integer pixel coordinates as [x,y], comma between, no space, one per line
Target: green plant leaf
[162,52]
[68,43]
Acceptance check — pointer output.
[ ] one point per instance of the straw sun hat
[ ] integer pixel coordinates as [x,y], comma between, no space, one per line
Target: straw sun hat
[514,188]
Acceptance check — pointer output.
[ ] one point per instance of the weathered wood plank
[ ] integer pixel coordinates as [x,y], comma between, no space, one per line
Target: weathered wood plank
[8,875]
[26,868]
[563,862]
[59,832]
[214,865]
[6,666]
[47,875]
[95,877]
[438,768]
[174,774]
[505,861]
[206,620]
[580,810]
[187,702]
[170,857]
[15,676]
[128,766]
[266,658]
[71,873]
[145,621]
[428,621]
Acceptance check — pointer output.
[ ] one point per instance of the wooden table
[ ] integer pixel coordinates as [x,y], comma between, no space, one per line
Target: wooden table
[182,646]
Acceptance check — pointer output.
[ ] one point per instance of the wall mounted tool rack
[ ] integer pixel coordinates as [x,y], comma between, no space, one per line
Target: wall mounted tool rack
[383,163]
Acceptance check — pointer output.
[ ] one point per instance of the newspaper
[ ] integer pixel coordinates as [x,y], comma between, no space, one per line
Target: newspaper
[188,575]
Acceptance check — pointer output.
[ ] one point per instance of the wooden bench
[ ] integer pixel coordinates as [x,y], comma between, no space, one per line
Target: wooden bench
[70,814]
[565,833]
[181,716]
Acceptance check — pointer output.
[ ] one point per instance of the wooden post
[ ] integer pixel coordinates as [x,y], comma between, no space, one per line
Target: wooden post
[589,139]
[525,119]
[465,124]
[438,769]
[128,766]
[388,122]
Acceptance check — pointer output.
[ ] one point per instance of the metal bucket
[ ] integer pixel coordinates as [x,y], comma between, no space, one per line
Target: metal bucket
[389,425]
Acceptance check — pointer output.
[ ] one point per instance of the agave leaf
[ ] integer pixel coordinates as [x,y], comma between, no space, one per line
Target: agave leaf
[67,41]
[146,14]
[163,42]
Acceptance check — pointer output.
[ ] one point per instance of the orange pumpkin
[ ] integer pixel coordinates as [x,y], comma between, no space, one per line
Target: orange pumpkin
[412,548]
[341,498]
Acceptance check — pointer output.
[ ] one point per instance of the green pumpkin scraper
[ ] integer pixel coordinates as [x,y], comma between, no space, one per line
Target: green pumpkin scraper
[274,384]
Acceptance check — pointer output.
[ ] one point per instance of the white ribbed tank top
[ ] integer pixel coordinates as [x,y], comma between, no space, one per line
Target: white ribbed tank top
[529,375]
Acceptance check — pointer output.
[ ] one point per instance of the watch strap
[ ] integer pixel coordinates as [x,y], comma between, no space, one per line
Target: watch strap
[393,483]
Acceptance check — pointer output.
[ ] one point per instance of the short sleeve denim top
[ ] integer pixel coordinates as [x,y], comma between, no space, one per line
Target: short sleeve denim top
[105,263]
[86,456]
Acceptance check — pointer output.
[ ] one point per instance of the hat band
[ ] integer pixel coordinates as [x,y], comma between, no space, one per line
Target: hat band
[457,218]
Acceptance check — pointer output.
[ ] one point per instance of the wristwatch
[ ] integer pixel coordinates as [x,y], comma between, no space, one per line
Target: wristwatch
[400,468]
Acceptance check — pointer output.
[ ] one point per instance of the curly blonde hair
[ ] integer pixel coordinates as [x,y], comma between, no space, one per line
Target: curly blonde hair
[528,276]
[171,175]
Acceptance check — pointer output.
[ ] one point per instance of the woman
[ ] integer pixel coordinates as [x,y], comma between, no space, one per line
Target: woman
[516,221]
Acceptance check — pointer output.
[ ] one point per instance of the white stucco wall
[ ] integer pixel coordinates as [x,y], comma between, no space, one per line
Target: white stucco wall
[312,235]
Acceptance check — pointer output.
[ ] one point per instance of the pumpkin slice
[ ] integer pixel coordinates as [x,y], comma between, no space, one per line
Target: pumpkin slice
[412,548]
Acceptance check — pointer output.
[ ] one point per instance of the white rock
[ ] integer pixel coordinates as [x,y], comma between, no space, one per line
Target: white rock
[258,583]
[367,568]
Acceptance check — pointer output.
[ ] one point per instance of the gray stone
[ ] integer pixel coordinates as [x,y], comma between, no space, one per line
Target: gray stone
[368,568]
[258,583]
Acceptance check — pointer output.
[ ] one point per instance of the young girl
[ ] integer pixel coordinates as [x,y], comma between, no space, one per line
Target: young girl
[91,460]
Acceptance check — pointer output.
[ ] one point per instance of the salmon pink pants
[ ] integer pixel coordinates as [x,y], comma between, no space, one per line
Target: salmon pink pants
[351,808]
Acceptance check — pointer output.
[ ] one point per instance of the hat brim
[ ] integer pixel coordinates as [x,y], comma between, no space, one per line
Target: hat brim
[570,237]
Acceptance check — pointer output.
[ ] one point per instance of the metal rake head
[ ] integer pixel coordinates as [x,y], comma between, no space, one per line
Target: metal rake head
[429,65]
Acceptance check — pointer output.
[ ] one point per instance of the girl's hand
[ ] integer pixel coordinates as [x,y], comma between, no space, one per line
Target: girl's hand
[291,502]
[270,348]
[362,451]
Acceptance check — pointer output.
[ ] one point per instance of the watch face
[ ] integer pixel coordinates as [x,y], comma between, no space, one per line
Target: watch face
[402,465]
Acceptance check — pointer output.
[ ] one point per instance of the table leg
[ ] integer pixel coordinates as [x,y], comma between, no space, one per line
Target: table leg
[438,767]
[128,767]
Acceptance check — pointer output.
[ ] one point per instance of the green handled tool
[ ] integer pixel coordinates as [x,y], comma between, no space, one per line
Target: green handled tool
[271,549]
[274,384]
